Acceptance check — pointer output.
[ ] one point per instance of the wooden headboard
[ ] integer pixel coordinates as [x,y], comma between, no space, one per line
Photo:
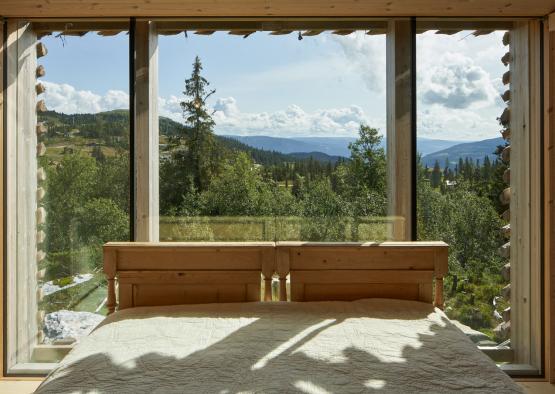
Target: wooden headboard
[349,271]
[153,274]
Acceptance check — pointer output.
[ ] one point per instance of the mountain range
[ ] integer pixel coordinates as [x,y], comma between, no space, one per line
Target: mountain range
[269,150]
[475,150]
[331,148]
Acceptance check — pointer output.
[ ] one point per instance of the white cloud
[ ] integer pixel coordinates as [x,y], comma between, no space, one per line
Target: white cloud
[170,108]
[65,98]
[229,119]
[366,56]
[292,121]
[456,82]
[457,124]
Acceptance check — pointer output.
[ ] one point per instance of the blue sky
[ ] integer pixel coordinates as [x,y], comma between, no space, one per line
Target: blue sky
[277,85]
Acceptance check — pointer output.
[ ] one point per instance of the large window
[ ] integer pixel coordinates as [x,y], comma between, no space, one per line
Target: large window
[311,130]
[268,137]
[478,189]
[72,187]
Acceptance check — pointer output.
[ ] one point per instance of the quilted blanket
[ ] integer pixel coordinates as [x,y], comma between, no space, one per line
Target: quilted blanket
[372,345]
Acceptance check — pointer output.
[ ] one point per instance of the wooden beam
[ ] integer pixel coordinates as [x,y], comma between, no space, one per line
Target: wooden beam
[549,197]
[21,139]
[525,185]
[453,26]
[308,8]
[2,190]
[400,94]
[146,132]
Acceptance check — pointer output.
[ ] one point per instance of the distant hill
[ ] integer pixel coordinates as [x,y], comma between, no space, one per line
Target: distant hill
[265,150]
[115,124]
[318,156]
[332,146]
[476,150]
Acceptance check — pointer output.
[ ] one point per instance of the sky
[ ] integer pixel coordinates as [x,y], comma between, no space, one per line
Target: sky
[326,85]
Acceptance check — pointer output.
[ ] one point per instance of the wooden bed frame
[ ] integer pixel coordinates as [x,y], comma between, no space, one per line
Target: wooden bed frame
[154,274]
[349,271]
[171,273]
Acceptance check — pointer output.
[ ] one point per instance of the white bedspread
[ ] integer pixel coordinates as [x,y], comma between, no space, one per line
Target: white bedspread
[373,345]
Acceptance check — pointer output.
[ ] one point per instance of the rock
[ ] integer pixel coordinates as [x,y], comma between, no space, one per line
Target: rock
[64,326]
[479,338]
[506,272]
[502,331]
[507,314]
[50,288]
[506,291]
[505,250]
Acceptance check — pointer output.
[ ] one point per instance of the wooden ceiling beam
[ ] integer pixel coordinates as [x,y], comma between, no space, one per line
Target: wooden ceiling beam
[254,8]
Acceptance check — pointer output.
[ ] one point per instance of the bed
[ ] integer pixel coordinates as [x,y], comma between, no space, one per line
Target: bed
[361,319]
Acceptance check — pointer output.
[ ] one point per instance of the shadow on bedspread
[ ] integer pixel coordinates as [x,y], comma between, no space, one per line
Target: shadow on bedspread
[264,357]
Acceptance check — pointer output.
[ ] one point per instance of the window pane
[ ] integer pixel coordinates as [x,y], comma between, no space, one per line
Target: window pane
[461,174]
[82,190]
[273,137]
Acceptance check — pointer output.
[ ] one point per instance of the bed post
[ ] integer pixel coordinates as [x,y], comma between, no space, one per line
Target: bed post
[282,271]
[110,271]
[441,266]
[438,298]
[268,268]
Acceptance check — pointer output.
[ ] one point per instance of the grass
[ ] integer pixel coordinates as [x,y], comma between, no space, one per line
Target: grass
[245,228]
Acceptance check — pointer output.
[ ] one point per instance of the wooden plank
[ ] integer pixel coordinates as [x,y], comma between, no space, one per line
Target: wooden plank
[146,133]
[125,292]
[123,246]
[549,197]
[388,244]
[297,292]
[450,26]
[363,258]
[520,185]
[172,294]
[177,258]
[425,292]
[2,191]
[190,277]
[399,122]
[362,276]
[22,178]
[241,26]
[215,8]
[11,193]
[535,209]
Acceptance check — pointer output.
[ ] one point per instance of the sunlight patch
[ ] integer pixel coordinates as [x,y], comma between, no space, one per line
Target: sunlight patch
[375,383]
[310,388]
[289,344]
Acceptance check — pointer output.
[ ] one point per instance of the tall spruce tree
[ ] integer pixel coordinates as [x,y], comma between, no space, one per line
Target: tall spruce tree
[436,175]
[201,142]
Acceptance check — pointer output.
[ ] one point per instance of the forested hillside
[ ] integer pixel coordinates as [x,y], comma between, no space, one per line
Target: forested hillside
[217,188]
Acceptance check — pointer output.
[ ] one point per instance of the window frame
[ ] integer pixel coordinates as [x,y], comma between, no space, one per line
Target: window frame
[143,58]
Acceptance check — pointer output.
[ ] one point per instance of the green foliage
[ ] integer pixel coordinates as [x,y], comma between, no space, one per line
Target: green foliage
[70,184]
[101,220]
[216,188]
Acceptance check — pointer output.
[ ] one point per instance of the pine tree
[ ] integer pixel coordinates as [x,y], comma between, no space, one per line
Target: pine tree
[436,175]
[201,143]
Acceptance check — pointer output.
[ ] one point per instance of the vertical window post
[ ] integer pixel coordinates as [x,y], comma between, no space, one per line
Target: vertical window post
[401,149]
[146,139]
[525,197]
[549,199]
